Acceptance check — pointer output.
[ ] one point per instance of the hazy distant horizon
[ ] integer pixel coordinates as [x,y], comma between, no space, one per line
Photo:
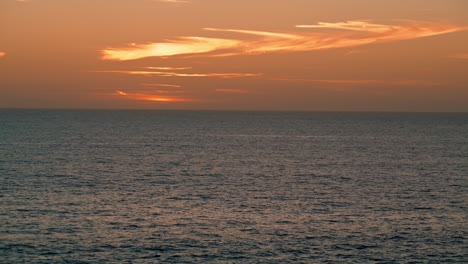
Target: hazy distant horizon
[229,110]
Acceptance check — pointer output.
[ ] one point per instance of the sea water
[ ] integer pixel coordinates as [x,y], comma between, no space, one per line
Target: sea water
[130,186]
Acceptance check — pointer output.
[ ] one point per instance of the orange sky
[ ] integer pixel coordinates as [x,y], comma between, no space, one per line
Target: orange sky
[333,55]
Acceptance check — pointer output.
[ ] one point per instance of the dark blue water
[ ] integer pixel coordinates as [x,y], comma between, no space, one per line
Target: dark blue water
[232,187]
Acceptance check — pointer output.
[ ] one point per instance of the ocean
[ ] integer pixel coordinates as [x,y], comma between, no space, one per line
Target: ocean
[143,186]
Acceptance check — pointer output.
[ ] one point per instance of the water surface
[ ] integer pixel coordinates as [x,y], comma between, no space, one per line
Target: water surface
[232,187]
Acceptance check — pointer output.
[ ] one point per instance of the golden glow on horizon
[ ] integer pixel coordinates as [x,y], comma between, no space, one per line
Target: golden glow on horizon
[2,54]
[356,33]
[154,98]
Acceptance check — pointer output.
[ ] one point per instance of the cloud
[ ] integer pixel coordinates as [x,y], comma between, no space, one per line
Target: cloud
[365,82]
[151,97]
[356,51]
[168,68]
[183,45]
[341,35]
[256,32]
[161,85]
[231,91]
[460,56]
[163,1]
[352,25]
[2,54]
[175,74]
[174,1]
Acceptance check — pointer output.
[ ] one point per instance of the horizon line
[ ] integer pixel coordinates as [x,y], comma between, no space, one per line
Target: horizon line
[225,110]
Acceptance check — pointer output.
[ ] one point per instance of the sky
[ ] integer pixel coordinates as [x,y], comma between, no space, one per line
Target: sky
[292,55]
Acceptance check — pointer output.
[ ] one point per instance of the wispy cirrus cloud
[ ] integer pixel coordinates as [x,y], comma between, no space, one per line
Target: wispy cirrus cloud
[183,45]
[176,74]
[364,82]
[356,51]
[162,1]
[344,34]
[460,56]
[161,85]
[173,1]
[168,68]
[231,91]
[352,25]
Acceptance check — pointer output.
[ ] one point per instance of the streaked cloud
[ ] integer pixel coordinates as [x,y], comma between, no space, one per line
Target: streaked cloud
[161,91]
[414,83]
[329,81]
[176,74]
[151,97]
[352,25]
[231,91]
[356,51]
[460,56]
[173,1]
[183,45]
[341,35]
[161,85]
[256,32]
[162,1]
[364,82]
[121,93]
[168,68]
